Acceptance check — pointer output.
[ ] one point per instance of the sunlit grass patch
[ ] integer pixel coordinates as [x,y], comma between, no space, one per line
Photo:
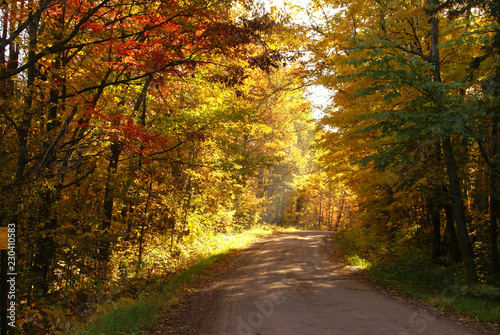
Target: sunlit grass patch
[357,262]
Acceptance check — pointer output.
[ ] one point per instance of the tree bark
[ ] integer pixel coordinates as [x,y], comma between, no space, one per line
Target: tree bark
[109,197]
[494,216]
[435,217]
[450,241]
[449,157]
[457,209]
[341,210]
[143,227]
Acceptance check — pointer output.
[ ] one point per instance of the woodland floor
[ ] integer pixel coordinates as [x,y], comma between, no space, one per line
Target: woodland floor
[293,283]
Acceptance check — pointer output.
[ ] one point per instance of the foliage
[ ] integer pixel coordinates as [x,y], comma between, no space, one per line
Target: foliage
[480,291]
[412,125]
[133,135]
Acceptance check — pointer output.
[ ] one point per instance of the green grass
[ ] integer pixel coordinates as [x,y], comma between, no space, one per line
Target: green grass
[358,262]
[125,317]
[135,316]
[439,286]
[414,274]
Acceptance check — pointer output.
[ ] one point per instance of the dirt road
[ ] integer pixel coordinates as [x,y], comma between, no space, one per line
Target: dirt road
[288,284]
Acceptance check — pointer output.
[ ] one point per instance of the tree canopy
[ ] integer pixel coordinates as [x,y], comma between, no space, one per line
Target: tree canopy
[414,108]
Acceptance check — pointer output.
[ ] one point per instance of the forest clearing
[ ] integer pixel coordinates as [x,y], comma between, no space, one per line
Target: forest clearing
[141,141]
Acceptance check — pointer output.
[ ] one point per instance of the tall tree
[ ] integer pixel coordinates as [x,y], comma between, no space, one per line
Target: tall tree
[396,96]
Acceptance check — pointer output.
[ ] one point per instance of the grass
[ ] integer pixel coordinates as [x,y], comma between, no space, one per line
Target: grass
[358,262]
[416,275]
[136,316]
[439,286]
[125,318]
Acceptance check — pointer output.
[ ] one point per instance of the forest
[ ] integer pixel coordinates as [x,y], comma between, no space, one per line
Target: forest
[133,133]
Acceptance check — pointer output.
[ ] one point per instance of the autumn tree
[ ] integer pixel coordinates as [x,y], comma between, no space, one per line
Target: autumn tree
[122,122]
[403,102]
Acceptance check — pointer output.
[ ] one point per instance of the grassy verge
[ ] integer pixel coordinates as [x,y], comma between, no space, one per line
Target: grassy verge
[135,316]
[416,275]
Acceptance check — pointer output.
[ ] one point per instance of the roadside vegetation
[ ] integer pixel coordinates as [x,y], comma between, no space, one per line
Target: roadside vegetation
[134,312]
[407,268]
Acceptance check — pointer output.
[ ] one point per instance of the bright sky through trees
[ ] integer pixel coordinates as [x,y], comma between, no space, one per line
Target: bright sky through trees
[317,94]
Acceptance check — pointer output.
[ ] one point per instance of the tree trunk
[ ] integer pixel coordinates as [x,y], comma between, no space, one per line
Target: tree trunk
[320,214]
[45,244]
[458,212]
[105,240]
[341,210]
[435,218]
[109,197]
[450,241]
[449,158]
[494,216]
[143,226]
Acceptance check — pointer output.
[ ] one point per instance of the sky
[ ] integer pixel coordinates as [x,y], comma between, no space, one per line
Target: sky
[318,95]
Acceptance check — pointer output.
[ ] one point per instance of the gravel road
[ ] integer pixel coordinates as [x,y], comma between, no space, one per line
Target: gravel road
[290,284]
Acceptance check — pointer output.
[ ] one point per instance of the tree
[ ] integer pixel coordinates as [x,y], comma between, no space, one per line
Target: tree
[396,96]
[115,118]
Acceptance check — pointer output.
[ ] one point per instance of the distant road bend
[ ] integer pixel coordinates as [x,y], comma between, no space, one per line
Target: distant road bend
[289,284]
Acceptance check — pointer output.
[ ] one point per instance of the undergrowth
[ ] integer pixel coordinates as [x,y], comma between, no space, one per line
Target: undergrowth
[412,272]
[132,316]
